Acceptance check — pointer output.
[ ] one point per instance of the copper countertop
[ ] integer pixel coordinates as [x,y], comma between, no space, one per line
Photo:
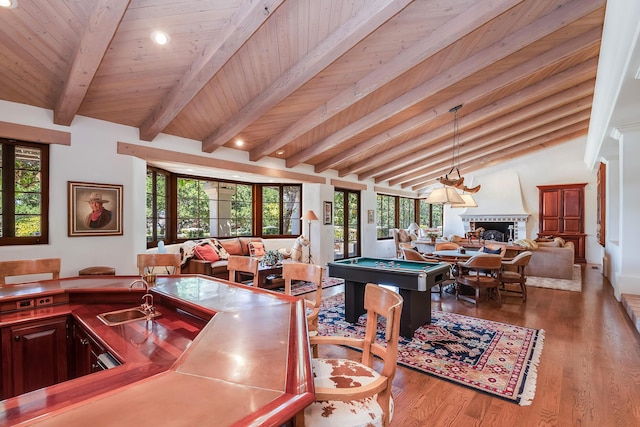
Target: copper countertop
[250,365]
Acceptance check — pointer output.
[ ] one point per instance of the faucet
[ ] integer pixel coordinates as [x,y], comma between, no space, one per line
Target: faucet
[147,298]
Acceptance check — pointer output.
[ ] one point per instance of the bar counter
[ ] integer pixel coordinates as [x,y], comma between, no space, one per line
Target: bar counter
[248,366]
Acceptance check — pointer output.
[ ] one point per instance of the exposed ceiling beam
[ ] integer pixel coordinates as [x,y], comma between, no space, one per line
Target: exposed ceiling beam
[502,140]
[437,40]
[519,122]
[553,138]
[244,23]
[553,21]
[583,42]
[333,47]
[405,154]
[101,27]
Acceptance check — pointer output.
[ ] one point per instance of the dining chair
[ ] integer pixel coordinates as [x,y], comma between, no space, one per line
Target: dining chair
[27,267]
[414,255]
[311,273]
[445,246]
[237,264]
[350,392]
[513,273]
[481,271]
[153,263]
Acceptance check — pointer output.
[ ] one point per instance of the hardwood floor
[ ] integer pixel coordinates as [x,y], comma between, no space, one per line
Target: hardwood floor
[589,371]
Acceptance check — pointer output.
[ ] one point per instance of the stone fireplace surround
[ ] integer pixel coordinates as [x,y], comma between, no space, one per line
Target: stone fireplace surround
[519,223]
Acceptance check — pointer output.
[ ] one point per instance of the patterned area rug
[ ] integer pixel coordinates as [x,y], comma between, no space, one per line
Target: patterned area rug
[302,288]
[574,284]
[491,357]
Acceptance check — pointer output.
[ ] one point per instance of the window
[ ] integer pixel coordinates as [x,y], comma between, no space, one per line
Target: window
[185,207]
[386,215]
[400,212]
[157,205]
[213,208]
[24,203]
[281,206]
[406,212]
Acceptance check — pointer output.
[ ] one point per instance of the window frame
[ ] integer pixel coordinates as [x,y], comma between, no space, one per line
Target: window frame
[396,215]
[172,208]
[8,194]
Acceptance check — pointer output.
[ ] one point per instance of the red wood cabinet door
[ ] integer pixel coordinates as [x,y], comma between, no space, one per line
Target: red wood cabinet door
[572,208]
[550,211]
[38,355]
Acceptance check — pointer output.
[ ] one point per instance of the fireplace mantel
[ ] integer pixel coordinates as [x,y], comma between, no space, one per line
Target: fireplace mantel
[519,222]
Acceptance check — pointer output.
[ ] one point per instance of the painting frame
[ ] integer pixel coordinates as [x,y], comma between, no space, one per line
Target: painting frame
[371,216]
[105,220]
[327,216]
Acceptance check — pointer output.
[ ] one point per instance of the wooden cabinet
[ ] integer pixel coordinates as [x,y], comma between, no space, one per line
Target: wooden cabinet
[562,215]
[34,355]
[84,351]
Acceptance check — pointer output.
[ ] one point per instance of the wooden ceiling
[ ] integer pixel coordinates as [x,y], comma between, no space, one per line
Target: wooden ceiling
[361,87]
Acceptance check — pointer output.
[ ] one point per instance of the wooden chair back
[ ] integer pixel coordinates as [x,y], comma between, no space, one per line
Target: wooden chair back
[445,246]
[243,264]
[482,263]
[309,273]
[148,263]
[414,255]
[378,301]
[29,266]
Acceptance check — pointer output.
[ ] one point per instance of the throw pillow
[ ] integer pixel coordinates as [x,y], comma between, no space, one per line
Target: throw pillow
[217,246]
[232,246]
[206,253]
[403,236]
[527,243]
[486,250]
[256,249]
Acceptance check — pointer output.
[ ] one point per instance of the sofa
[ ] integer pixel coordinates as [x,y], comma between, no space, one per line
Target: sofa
[233,246]
[551,258]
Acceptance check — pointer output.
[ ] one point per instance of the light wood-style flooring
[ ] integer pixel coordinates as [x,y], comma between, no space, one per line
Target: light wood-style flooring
[589,372]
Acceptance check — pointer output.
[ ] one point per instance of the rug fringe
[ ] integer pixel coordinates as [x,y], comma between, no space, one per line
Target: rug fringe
[529,388]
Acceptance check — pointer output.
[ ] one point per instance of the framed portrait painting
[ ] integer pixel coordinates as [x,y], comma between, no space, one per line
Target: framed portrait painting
[94,209]
[327,217]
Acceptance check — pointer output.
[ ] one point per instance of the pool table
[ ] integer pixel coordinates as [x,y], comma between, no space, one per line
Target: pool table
[414,280]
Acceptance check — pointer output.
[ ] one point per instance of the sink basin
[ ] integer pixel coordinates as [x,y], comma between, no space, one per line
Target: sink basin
[118,317]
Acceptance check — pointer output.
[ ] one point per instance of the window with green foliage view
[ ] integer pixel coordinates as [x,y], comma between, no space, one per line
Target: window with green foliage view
[24,186]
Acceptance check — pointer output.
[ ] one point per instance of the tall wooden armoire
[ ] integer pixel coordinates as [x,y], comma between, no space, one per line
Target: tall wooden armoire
[562,215]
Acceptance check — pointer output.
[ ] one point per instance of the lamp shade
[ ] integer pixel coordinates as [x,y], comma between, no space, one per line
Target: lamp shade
[469,202]
[444,195]
[310,215]
[413,227]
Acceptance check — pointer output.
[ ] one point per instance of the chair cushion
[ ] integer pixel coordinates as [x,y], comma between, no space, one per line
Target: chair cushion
[403,236]
[344,373]
[486,250]
[232,246]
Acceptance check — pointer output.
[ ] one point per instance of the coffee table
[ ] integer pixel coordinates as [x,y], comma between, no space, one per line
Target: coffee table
[268,270]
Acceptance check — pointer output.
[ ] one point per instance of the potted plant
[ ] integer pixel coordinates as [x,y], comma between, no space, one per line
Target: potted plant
[271,257]
[433,236]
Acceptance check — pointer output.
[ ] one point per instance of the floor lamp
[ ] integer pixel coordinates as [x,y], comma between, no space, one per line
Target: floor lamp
[309,216]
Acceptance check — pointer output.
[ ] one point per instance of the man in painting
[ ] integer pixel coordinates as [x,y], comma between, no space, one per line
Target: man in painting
[99,216]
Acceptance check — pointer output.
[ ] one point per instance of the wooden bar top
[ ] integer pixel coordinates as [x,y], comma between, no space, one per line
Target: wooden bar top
[250,364]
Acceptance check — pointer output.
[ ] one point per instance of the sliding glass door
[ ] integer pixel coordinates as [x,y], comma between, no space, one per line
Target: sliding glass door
[346,222]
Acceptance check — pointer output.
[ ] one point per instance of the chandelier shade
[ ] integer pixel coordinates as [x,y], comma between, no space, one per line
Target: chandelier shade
[444,195]
[468,202]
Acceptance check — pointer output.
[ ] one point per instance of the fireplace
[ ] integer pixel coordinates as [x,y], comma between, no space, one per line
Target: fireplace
[497,227]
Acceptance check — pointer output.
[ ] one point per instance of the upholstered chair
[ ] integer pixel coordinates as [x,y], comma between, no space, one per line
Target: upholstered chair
[349,392]
[479,272]
[446,246]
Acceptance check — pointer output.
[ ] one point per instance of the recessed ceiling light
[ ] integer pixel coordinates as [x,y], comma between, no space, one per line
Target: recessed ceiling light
[239,142]
[159,37]
[9,4]
[280,152]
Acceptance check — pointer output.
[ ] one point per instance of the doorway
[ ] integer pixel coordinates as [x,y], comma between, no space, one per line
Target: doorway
[346,224]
